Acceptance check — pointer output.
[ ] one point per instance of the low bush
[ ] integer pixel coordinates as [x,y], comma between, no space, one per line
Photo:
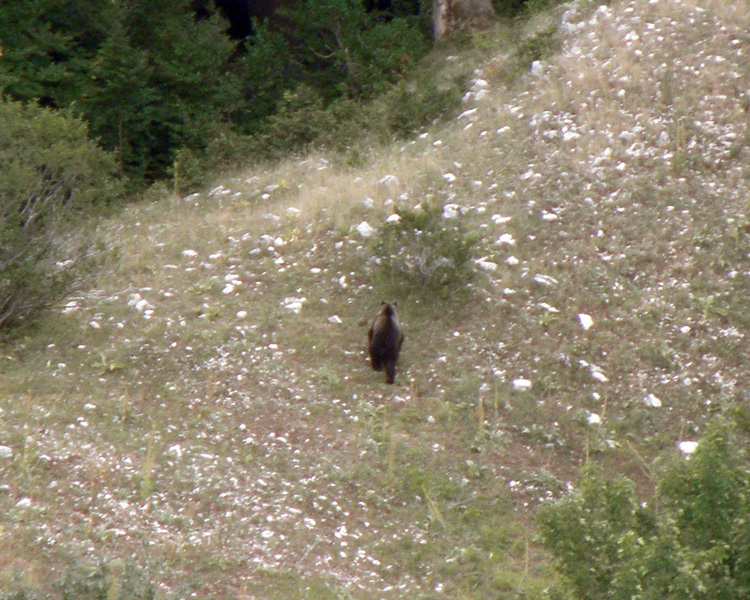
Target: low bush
[106,580]
[411,106]
[53,177]
[691,540]
[422,250]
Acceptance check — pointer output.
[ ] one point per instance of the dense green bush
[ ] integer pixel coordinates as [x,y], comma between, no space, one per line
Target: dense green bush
[53,177]
[424,251]
[690,541]
[152,79]
[411,106]
[113,580]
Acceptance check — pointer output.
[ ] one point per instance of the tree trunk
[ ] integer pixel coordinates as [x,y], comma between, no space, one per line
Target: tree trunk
[451,15]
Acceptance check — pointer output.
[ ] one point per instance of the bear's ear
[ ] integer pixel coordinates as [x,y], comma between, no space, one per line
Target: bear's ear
[395,303]
[383,302]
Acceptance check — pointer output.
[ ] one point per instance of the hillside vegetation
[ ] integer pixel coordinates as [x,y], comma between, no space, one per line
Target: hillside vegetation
[201,416]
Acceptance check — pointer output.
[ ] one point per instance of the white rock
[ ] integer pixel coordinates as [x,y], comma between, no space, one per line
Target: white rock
[394,218]
[219,191]
[24,503]
[521,384]
[471,113]
[365,229]
[242,314]
[139,303]
[545,280]
[652,401]
[537,68]
[294,304]
[449,177]
[499,219]
[506,239]
[6,452]
[335,320]
[687,447]
[71,307]
[388,180]
[189,253]
[88,407]
[486,265]
[512,261]
[597,374]
[593,419]
[585,320]
[451,211]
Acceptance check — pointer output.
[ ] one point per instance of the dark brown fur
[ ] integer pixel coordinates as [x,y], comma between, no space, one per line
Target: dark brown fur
[385,339]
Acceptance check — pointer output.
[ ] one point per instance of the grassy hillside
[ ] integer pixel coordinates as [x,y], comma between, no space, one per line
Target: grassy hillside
[204,409]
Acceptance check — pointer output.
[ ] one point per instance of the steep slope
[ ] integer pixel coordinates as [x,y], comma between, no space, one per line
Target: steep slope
[206,409]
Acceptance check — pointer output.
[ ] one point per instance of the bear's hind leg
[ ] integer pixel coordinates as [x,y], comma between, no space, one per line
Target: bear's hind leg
[390,372]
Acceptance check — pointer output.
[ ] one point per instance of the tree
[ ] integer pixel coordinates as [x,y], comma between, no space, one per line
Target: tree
[341,49]
[449,16]
[46,46]
[155,89]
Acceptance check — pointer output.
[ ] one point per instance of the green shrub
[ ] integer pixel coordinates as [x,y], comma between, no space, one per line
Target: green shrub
[300,120]
[424,251]
[53,176]
[411,106]
[691,540]
[113,580]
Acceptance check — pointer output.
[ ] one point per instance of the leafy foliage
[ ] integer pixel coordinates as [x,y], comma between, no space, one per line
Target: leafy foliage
[343,49]
[153,90]
[52,177]
[422,250]
[412,106]
[154,78]
[691,541]
[107,580]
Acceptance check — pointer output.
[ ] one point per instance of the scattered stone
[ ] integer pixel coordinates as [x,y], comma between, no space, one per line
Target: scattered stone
[687,447]
[486,265]
[451,211]
[545,280]
[586,321]
[365,229]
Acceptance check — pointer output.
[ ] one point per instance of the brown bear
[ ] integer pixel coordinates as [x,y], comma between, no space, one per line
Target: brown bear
[385,337]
